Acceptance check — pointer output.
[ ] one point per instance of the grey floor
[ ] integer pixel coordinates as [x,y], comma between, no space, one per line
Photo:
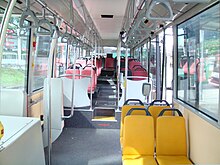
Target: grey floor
[85,146]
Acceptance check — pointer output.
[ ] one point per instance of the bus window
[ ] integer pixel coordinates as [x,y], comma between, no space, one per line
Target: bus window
[215,71]
[15,55]
[61,57]
[137,53]
[41,60]
[153,63]
[1,12]
[144,57]
[198,61]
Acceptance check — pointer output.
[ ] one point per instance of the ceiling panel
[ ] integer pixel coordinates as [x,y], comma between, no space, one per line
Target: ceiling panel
[108,28]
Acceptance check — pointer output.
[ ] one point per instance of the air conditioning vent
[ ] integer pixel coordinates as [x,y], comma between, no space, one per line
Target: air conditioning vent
[19,2]
[106,16]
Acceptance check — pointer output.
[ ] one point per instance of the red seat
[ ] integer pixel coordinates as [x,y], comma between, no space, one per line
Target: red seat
[138,73]
[98,66]
[70,72]
[109,63]
[133,64]
[82,62]
[87,72]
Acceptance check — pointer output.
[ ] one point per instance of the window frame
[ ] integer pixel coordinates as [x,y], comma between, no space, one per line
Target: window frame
[36,56]
[202,113]
[26,75]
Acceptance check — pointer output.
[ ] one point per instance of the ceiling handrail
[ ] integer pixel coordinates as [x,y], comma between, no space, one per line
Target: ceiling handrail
[26,13]
[44,21]
[166,5]
[65,36]
[55,27]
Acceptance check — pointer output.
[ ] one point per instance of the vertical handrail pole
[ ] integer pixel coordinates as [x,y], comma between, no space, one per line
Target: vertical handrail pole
[49,75]
[91,108]
[4,25]
[3,29]
[158,69]
[126,73]
[118,71]
[149,54]
[163,63]
[73,81]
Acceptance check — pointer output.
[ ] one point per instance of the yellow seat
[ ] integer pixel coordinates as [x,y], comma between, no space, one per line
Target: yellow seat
[137,159]
[138,140]
[156,109]
[126,107]
[171,147]
[173,160]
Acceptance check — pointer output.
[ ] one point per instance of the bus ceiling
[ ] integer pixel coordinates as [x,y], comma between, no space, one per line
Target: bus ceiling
[138,20]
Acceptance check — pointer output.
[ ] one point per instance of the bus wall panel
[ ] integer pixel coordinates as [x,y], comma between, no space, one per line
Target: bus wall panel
[37,109]
[203,138]
[13,102]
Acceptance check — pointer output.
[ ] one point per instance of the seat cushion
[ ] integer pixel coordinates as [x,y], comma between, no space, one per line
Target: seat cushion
[173,160]
[138,160]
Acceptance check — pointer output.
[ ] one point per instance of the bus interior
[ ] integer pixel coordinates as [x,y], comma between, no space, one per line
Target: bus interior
[109,82]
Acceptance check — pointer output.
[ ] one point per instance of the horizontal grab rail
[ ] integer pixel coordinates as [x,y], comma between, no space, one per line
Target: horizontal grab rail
[33,102]
[64,75]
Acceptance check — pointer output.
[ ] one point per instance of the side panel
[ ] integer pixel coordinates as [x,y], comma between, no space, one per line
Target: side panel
[204,143]
[36,109]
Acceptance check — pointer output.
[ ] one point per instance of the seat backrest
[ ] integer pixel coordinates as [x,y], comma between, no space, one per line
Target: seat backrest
[83,62]
[155,110]
[138,135]
[171,136]
[125,110]
[131,103]
[70,72]
[139,75]
[109,63]
[87,72]
[133,63]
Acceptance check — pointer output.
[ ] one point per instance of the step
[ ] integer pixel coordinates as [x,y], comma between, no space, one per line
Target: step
[103,114]
[106,97]
[103,111]
[108,92]
[110,87]
[104,103]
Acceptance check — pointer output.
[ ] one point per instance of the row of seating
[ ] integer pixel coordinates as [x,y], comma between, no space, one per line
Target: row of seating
[155,107]
[84,68]
[143,129]
[135,69]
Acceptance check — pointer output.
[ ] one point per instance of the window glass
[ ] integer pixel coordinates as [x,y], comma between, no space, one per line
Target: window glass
[2,13]
[113,50]
[169,64]
[137,53]
[15,55]
[41,60]
[198,61]
[61,57]
[73,52]
[144,58]
[153,63]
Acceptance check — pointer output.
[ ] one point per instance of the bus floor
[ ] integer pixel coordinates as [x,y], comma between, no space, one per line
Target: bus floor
[86,146]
